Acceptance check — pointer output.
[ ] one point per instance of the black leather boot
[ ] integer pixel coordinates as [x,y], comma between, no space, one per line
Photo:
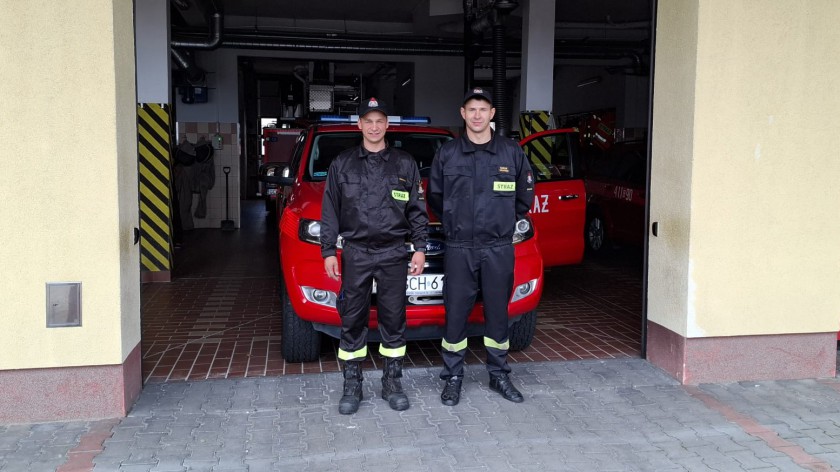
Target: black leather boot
[501,383]
[451,394]
[391,386]
[349,402]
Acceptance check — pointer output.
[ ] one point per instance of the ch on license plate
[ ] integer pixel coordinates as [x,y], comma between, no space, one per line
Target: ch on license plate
[426,284]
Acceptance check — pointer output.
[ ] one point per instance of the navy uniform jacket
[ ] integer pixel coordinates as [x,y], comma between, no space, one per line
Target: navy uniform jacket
[479,195]
[374,201]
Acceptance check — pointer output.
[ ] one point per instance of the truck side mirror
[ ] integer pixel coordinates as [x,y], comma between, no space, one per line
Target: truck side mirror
[276,174]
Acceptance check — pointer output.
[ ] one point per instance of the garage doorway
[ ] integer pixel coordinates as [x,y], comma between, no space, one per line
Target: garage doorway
[220,316]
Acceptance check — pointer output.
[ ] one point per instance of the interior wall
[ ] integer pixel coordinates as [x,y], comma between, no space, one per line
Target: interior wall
[436,95]
[221,201]
[627,94]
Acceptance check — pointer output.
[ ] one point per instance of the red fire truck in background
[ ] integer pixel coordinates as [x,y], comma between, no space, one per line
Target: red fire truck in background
[278,146]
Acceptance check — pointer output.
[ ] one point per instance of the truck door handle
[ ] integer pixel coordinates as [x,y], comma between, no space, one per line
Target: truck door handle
[571,196]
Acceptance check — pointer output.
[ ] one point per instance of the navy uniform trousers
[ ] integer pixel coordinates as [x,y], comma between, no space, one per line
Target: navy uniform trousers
[467,270]
[359,268]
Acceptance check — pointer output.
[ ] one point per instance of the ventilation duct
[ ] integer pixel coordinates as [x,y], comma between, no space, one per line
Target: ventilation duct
[213,42]
[192,73]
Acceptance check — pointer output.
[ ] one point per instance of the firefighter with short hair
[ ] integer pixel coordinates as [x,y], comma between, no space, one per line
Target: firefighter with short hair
[480,186]
[374,201]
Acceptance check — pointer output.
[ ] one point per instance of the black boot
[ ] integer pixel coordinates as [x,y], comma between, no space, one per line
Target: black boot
[349,402]
[451,394]
[391,385]
[502,384]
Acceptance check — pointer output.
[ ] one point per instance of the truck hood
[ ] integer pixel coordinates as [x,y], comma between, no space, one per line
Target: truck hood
[312,194]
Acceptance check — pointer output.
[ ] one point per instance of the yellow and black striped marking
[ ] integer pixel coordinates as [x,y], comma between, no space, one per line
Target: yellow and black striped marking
[531,122]
[153,144]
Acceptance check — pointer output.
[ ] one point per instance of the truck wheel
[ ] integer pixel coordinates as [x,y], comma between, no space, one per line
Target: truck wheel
[596,235]
[299,341]
[522,332]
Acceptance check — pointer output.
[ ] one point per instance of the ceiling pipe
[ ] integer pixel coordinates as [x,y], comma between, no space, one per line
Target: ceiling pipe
[212,43]
[607,25]
[345,46]
[561,51]
[398,45]
[390,45]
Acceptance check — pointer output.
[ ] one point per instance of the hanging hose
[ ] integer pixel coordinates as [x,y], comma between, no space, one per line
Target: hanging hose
[500,96]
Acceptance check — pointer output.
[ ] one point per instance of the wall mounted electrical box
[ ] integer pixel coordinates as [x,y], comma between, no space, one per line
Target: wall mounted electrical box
[64,304]
[191,94]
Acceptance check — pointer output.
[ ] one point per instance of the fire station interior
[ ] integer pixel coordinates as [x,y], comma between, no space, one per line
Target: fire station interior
[220,315]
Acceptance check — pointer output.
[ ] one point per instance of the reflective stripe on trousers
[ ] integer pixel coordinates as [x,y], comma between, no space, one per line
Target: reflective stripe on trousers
[349,356]
[362,353]
[466,269]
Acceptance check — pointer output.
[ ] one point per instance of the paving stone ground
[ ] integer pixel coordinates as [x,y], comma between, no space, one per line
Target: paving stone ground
[611,415]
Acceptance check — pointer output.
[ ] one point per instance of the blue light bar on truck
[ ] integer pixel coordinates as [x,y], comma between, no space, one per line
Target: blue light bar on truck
[409,120]
[335,119]
[415,120]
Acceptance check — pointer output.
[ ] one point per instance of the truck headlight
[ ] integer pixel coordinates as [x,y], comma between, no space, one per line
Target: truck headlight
[319,296]
[310,231]
[524,290]
[523,230]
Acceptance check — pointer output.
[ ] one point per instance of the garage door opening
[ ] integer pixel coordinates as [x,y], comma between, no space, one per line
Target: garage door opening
[220,315]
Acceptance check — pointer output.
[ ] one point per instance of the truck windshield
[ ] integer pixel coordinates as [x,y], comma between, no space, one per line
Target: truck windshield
[327,146]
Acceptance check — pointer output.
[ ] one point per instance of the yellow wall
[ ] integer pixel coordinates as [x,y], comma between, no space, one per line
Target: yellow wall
[69,180]
[747,145]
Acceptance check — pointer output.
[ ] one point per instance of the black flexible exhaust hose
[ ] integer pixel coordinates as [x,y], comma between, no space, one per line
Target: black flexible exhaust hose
[500,96]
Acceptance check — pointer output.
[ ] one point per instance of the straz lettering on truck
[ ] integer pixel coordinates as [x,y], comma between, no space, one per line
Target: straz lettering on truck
[623,193]
[540,204]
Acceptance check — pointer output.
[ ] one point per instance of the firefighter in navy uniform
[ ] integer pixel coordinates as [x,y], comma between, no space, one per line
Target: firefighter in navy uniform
[480,185]
[374,201]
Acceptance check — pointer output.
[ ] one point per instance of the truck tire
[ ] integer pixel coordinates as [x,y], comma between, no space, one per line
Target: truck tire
[596,234]
[522,332]
[299,341]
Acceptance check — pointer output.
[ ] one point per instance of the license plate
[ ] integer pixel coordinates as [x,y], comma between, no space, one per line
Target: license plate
[420,285]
